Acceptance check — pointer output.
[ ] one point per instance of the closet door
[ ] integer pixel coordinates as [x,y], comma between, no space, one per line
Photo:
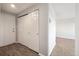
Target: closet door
[34,31]
[9,32]
[28,33]
[22,30]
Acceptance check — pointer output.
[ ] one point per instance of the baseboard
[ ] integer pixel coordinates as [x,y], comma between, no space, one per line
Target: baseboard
[40,54]
[6,44]
[49,54]
[16,42]
[66,38]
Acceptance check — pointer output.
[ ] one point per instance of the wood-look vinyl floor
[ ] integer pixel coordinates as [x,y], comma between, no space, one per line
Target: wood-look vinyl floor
[17,49]
[64,47]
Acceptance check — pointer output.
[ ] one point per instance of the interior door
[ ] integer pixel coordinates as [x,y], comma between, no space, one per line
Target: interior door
[28,33]
[8,29]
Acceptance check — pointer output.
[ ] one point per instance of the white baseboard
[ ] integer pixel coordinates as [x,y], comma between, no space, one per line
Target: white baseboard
[72,38]
[49,54]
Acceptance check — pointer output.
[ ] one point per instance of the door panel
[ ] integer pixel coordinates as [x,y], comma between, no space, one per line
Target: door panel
[9,29]
[28,30]
[7,33]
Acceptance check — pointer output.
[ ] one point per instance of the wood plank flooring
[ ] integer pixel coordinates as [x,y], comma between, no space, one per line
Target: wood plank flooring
[17,49]
[64,47]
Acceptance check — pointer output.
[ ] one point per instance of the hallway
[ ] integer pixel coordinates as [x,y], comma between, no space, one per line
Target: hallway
[64,47]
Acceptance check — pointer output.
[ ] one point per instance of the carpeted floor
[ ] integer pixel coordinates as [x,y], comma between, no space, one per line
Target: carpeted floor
[64,47]
[17,50]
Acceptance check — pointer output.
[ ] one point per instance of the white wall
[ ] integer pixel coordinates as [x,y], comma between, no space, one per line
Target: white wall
[64,10]
[0,7]
[0,10]
[77,30]
[43,26]
[1,30]
[51,29]
[65,14]
[65,30]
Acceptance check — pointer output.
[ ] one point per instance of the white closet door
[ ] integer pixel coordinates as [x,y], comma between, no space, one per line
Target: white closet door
[8,26]
[21,30]
[28,33]
[34,31]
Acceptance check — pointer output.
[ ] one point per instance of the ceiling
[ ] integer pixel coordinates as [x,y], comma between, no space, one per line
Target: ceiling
[64,11]
[19,7]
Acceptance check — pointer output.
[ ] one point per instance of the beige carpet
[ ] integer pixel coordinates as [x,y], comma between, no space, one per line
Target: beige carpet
[64,47]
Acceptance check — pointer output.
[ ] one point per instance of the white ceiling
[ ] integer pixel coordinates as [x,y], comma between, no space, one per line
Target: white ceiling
[19,7]
[64,11]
